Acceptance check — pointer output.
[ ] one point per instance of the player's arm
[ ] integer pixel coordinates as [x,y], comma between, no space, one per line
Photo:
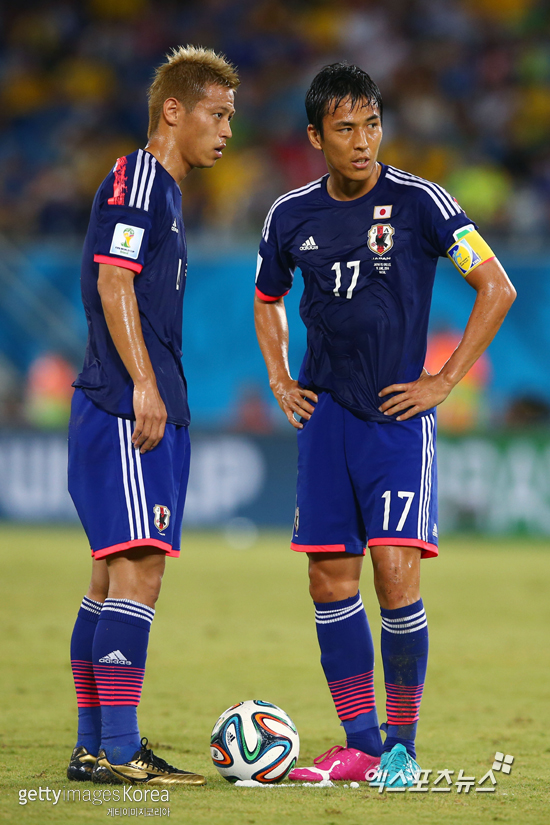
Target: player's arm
[272,331]
[116,290]
[495,295]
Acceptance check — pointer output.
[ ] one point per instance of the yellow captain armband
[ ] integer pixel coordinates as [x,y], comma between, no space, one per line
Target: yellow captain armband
[469,250]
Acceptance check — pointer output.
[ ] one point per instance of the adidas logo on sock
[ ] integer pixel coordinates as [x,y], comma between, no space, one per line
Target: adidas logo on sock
[309,244]
[115,658]
[174,227]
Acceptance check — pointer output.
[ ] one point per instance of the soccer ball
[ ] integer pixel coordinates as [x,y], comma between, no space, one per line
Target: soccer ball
[254,740]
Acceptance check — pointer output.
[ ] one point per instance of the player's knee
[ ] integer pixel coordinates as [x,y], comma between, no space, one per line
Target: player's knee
[323,588]
[150,583]
[98,594]
[137,575]
[393,592]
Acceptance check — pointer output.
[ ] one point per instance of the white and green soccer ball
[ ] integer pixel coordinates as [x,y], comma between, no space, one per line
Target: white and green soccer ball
[254,740]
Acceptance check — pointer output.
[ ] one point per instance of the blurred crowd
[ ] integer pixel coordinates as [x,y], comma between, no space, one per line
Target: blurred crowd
[466,88]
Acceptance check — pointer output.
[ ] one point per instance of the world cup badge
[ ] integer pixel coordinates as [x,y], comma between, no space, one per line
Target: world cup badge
[162,517]
[380,238]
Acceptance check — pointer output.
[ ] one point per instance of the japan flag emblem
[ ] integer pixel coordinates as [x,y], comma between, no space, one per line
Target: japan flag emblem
[162,517]
[380,238]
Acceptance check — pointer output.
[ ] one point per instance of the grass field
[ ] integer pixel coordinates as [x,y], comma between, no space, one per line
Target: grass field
[237,624]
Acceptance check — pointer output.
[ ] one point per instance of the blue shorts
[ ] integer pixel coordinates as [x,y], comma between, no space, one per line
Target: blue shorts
[365,483]
[125,499]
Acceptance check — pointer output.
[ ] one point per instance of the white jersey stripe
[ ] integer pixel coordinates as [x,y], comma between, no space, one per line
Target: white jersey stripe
[418,185]
[150,184]
[439,190]
[429,475]
[427,478]
[296,193]
[426,481]
[146,159]
[130,448]
[422,471]
[292,192]
[125,476]
[136,177]
[144,509]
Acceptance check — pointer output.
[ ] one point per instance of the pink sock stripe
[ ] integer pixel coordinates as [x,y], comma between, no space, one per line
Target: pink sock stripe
[348,707]
[348,699]
[119,684]
[403,703]
[352,679]
[341,692]
[84,683]
[354,695]
[404,689]
[115,704]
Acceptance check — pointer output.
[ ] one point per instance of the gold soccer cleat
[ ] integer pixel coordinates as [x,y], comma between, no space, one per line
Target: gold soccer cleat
[143,769]
[81,765]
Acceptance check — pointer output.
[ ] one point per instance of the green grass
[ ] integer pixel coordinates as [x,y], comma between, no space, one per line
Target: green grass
[235,625]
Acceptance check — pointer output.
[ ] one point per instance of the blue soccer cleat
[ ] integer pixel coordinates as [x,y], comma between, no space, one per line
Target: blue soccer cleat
[397,769]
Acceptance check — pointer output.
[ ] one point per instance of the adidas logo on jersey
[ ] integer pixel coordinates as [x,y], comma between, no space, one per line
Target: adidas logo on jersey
[174,227]
[309,244]
[115,658]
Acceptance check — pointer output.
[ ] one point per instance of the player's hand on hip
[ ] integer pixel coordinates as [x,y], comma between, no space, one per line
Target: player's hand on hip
[151,416]
[293,398]
[426,392]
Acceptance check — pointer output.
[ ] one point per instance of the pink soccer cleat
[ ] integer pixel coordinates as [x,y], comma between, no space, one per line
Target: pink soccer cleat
[338,764]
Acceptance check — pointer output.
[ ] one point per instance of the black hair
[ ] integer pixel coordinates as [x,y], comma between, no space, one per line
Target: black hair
[333,84]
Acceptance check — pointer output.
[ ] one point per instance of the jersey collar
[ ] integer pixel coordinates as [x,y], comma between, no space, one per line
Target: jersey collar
[356,201]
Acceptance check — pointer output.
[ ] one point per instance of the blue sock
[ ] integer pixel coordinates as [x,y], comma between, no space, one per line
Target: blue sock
[347,657]
[89,710]
[120,652]
[405,658]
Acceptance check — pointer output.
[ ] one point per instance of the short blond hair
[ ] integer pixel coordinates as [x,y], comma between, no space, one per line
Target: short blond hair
[189,70]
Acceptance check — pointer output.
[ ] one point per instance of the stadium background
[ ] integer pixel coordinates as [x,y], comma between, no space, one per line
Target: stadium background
[466,86]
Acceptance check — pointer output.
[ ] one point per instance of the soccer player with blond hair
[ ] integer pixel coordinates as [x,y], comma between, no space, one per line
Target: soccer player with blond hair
[128,433]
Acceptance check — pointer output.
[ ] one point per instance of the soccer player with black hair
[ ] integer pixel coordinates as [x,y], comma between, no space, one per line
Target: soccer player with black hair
[367,238]
[128,433]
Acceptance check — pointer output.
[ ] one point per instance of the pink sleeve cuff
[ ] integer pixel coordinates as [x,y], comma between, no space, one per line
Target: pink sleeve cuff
[122,262]
[270,298]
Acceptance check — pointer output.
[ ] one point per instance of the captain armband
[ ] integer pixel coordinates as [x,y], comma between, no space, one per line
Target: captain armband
[469,250]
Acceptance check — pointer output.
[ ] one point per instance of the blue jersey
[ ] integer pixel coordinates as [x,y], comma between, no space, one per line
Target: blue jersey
[368,267]
[136,223]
